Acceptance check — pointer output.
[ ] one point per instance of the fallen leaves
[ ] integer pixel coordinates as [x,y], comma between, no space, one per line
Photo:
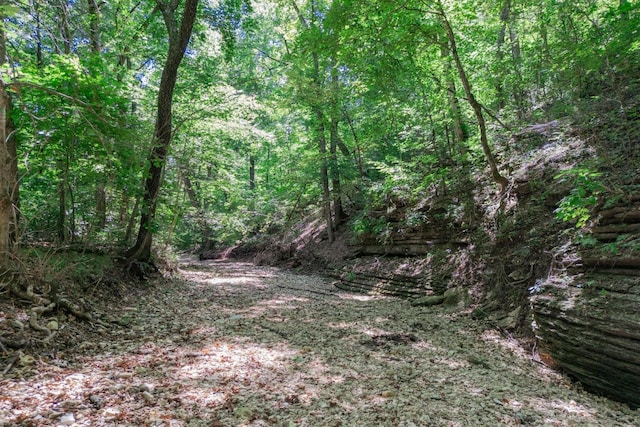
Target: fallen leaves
[238,345]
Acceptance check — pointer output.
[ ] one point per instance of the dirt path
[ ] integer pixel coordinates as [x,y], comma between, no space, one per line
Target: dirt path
[239,345]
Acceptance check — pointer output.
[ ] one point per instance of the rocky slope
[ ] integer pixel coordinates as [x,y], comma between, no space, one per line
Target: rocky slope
[571,293]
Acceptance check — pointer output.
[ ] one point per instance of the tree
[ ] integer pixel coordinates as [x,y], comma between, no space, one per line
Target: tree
[179,34]
[8,165]
[471,99]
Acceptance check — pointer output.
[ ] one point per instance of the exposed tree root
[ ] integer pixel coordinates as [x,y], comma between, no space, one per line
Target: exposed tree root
[14,344]
[139,269]
[43,304]
[17,355]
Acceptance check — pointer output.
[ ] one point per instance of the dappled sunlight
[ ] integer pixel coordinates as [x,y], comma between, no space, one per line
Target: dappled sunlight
[360,297]
[283,302]
[425,346]
[551,406]
[342,325]
[159,380]
[262,356]
[224,359]
[200,277]
[524,357]
[452,363]
[372,332]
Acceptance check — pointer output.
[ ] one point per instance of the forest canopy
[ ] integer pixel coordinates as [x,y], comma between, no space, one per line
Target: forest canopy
[280,108]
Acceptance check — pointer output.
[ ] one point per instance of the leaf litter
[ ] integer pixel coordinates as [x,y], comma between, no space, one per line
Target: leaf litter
[233,344]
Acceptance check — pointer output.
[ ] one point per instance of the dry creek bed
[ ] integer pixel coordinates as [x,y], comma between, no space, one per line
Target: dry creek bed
[232,344]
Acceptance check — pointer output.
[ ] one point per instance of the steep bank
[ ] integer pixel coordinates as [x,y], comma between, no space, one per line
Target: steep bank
[568,289]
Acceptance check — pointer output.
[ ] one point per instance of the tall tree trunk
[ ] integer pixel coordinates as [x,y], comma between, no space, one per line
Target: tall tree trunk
[132,220]
[252,172]
[320,126]
[179,35]
[473,102]
[94,26]
[35,10]
[101,187]
[357,154]
[8,179]
[64,27]
[101,206]
[63,162]
[507,19]
[207,241]
[338,210]
[61,224]
[322,148]
[454,105]
[8,168]
[334,141]
[324,173]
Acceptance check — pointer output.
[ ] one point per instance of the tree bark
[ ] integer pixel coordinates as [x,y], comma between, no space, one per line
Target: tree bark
[8,170]
[320,127]
[454,105]
[178,40]
[324,174]
[94,26]
[252,172]
[334,142]
[94,37]
[61,224]
[8,179]
[65,33]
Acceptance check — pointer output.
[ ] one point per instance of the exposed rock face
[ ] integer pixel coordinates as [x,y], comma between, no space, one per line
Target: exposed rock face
[588,313]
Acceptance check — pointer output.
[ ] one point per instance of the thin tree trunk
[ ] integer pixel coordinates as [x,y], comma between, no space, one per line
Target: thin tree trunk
[205,230]
[101,206]
[475,105]
[64,27]
[61,224]
[179,36]
[357,152]
[132,220]
[334,140]
[35,10]
[124,208]
[72,205]
[94,26]
[320,128]
[322,147]
[324,174]
[252,172]
[506,17]
[339,215]
[101,188]
[454,104]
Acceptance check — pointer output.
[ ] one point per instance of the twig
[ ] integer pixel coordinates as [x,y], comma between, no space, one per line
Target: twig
[18,354]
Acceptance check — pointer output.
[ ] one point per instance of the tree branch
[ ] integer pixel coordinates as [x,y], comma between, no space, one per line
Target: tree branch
[72,99]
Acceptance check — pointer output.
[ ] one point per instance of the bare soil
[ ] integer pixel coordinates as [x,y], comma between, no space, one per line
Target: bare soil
[231,344]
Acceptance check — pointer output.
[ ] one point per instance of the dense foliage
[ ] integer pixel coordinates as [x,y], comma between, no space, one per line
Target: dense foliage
[282,107]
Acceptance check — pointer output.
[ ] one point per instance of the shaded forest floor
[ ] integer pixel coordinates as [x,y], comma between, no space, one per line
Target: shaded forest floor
[232,344]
